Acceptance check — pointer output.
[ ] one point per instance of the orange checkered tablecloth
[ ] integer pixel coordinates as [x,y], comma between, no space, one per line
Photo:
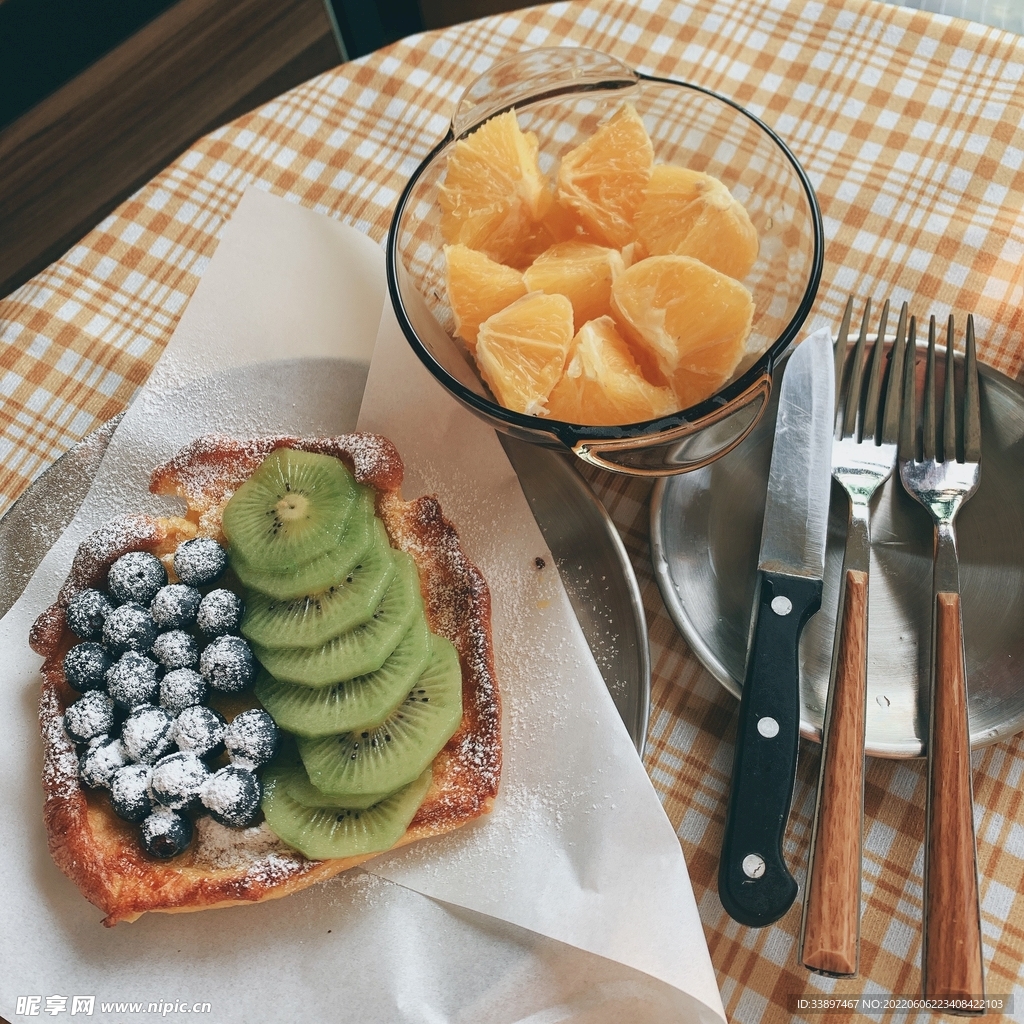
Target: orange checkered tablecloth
[911,127]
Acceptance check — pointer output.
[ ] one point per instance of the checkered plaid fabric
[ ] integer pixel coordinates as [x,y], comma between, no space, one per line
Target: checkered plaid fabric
[911,127]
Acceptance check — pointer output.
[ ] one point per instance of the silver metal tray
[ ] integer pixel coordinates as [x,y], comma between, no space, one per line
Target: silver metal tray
[705,532]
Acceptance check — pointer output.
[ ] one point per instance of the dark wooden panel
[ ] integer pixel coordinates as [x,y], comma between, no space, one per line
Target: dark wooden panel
[440,13]
[67,162]
[46,43]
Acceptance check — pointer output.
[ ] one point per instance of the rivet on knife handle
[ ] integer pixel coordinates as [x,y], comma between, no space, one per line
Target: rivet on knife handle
[755,886]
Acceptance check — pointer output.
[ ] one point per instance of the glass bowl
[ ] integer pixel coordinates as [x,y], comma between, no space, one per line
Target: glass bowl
[562,94]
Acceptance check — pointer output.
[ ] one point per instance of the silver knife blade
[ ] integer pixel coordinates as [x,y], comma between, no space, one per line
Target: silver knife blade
[799,482]
[31,526]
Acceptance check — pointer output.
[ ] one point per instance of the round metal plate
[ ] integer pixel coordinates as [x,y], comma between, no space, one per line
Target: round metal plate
[705,534]
[597,575]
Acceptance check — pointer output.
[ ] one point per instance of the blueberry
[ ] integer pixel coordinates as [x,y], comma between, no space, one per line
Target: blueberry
[104,756]
[199,561]
[176,649]
[220,612]
[136,576]
[200,730]
[129,792]
[166,834]
[176,780]
[85,667]
[90,716]
[252,738]
[227,664]
[131,680]
[182,688]
[129,628]
[175,606]
[232,796]
[147,733]
[86,612]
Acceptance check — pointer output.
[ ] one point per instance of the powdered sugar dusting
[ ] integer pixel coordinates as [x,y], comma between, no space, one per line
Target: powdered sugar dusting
[256,848]
[100,549]
[458,608]
[221,791]
[209,470]
[247,863]
[60,759]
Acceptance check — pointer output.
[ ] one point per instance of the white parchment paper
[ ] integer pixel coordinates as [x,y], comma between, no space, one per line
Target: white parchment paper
[569,903]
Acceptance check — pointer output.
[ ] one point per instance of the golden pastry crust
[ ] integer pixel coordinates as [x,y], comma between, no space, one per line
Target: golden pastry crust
[224,867]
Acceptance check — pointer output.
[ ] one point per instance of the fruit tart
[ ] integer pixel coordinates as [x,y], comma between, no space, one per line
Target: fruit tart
[291,677]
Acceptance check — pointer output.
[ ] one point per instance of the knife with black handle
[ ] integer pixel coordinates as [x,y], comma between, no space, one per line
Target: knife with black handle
[754,883]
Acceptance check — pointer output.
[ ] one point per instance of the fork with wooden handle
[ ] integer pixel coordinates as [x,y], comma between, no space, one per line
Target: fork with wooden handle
[863,458]
[943,480]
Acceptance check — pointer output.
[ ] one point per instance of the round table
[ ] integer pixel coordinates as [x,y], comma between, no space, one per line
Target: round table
[912,130]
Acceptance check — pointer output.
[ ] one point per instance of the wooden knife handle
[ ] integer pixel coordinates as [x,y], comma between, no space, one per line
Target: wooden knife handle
[952,958]
[832,915]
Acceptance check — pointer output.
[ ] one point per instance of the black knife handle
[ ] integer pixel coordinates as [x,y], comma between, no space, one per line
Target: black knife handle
[754,884]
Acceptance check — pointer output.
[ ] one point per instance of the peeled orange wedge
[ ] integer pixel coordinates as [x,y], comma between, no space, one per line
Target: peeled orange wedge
[521,350]
[612,298]
[603,179]
[602,384]
[687,213]
[493,190]
[477,288]
[688,323]
[582,272]
[558,224]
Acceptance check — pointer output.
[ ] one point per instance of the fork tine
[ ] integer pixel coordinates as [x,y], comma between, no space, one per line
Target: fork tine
[949,453]
[894,389]
[852,396]
[929,437]
[842,342]
[972,402]
[908,415]
[869,426]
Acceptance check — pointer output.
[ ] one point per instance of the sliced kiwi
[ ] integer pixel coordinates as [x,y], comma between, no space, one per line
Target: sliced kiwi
[327,566]
[295,505]
[313,619]
[324,833]
[302,791]
[360,703]
[392,755]
[362,649]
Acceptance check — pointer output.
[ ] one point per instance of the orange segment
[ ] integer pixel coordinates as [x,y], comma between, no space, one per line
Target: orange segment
[558,224]
[521,350]
[603,179]
[582,272]
[602,383]
[493,189]
[477,288]
[687,213]
[688,322]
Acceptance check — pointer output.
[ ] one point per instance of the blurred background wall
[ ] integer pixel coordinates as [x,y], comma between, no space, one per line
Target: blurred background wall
[97,96]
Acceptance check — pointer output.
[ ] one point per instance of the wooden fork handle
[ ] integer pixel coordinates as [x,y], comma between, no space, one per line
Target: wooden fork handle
[832,913]
[952,957]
